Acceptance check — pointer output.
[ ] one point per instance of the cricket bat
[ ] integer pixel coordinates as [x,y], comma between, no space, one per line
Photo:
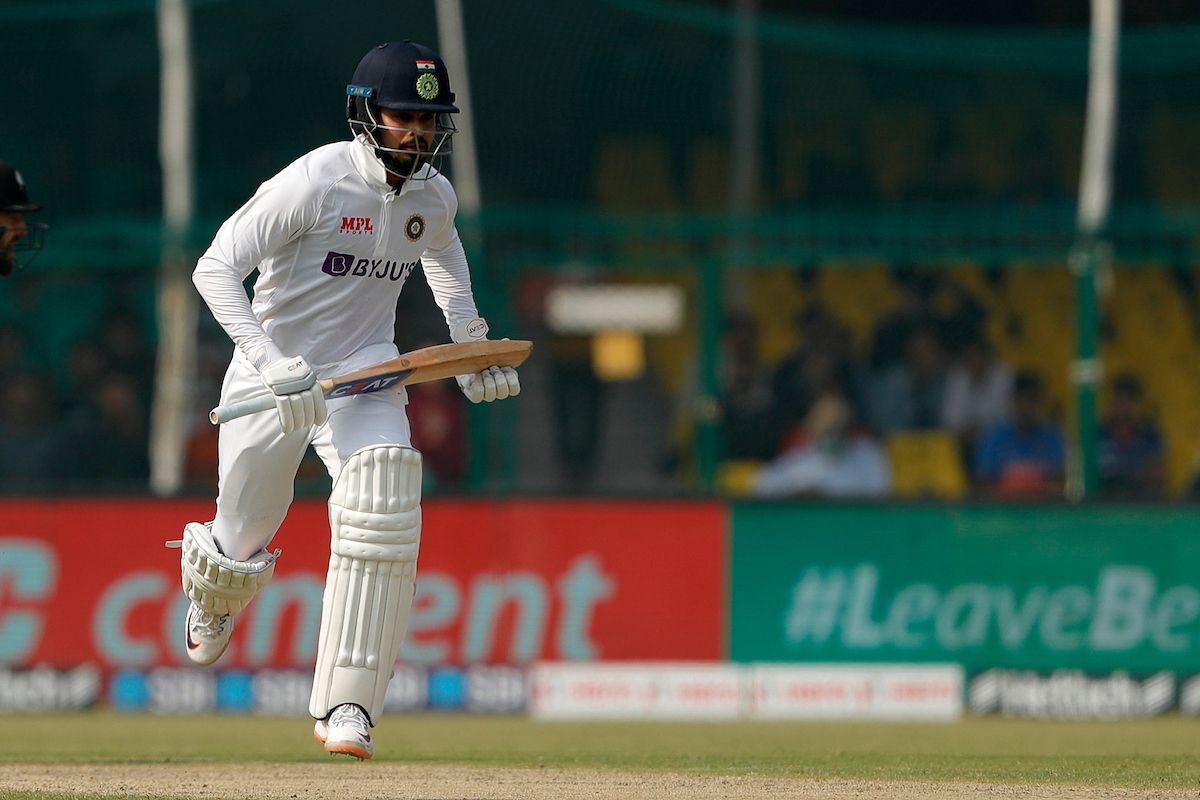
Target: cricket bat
[419,366]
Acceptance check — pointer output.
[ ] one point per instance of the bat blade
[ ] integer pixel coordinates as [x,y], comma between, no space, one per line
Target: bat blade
[419,366]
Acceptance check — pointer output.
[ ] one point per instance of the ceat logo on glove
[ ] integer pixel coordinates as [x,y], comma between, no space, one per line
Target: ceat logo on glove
[295,365]
[477,328]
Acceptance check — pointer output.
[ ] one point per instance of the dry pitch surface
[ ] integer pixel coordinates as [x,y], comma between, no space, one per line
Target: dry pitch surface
[102,755]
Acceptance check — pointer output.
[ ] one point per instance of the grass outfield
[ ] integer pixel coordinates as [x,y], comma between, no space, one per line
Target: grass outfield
[1155,754]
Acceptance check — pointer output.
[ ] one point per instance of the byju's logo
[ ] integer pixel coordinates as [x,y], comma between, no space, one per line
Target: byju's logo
[357,225]
[337,263]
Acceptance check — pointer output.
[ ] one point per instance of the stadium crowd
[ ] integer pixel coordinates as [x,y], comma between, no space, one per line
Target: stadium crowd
[825,422]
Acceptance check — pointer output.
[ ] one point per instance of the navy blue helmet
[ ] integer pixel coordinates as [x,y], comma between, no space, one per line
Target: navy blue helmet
[20,240]
[402,76]
[14,197]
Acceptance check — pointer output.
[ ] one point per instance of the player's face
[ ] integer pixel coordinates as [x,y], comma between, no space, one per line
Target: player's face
[12,230]
[416,129]
[14,227]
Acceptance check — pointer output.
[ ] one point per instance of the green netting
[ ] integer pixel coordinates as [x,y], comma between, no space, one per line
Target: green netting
[604,132]
[878,137]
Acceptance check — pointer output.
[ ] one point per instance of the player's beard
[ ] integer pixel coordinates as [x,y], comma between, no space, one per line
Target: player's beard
[8,262]
[406,163]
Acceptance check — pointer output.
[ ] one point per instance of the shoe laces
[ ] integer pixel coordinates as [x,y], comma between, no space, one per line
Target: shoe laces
[209,626]
[350,715]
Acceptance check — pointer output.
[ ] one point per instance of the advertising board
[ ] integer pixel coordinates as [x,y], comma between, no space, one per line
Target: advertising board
[1090,588]
[90,582]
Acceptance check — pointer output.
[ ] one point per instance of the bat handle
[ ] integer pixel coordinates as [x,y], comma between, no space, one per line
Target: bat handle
[225,413]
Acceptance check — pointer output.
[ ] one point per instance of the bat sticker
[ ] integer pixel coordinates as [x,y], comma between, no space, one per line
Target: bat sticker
[367,385]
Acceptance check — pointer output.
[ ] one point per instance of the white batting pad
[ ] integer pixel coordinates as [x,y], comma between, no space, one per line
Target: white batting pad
[215,582]
[375,520]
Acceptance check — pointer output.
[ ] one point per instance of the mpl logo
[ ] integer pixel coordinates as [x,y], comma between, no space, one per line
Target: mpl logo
[337,263]
[357,225]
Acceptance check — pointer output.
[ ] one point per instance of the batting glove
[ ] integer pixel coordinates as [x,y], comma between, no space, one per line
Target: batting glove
[494,383]
[299,399]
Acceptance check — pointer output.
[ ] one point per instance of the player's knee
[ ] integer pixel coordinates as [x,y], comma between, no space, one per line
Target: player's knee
[240,536]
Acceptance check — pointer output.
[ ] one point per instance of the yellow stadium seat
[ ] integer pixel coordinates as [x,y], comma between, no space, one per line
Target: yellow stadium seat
[860,295]
[972,279]
[736,477]
[776,299]
[926,464]
[634,175]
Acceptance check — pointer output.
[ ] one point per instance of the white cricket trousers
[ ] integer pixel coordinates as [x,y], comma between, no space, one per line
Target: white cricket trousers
[258,462]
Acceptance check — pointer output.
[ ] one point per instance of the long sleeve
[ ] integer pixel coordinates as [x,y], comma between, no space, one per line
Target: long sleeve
[281,209]
[449,278]
[222,290]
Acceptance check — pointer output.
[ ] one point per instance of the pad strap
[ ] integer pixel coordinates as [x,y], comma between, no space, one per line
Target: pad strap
[215,582]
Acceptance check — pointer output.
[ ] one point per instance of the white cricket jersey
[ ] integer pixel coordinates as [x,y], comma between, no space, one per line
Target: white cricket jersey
[333,244]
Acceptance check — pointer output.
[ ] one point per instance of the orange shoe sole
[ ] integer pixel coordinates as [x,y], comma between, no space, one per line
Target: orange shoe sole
[347,749]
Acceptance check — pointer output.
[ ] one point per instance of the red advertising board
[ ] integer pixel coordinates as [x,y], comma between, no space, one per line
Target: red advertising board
[498,582]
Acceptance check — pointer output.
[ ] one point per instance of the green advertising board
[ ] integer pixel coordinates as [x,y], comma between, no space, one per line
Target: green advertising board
[1095,588]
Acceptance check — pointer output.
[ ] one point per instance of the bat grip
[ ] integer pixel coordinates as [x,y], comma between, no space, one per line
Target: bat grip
[225,413]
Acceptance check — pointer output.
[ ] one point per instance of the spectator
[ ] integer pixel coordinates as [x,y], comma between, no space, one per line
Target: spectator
[86,367]
[1131,449]
[439,430]
[751,424]
[909,395]
[27,437]
[915,288]
[978,393]
[126,352]
[830,458]
[927,299]
[578,398]
[821,361]
[1024,456]
[105,443]
[200,462]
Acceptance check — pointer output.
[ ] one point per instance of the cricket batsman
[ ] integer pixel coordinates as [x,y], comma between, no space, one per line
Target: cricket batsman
[20,240]
[333,237]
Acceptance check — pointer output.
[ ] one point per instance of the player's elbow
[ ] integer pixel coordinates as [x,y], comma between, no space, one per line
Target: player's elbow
[208,268]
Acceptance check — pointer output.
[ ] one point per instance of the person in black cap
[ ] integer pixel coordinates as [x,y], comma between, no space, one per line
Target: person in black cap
[334,236]
[17,236]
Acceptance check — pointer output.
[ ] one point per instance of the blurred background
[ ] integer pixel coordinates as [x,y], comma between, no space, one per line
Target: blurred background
[832,252]
[862,207]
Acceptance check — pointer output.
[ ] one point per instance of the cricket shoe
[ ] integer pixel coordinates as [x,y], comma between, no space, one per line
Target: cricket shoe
[346,731]
[207,635]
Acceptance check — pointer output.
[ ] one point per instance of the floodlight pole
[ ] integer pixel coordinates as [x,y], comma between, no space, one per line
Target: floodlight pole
[452,45]
[745,143]
[177,307]
[1092,252]
[452,42]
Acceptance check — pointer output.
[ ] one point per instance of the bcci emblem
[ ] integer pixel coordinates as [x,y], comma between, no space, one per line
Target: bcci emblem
[428,86]
[414,227]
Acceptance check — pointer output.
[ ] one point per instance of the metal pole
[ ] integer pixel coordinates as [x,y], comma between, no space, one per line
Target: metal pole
[1091,252]
[707,406]
[452,44]
[177,306]
[745,158]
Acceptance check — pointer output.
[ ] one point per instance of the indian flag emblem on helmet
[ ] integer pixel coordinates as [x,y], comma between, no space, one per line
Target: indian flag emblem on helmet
[428,86]
[426,65]
[414,227]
